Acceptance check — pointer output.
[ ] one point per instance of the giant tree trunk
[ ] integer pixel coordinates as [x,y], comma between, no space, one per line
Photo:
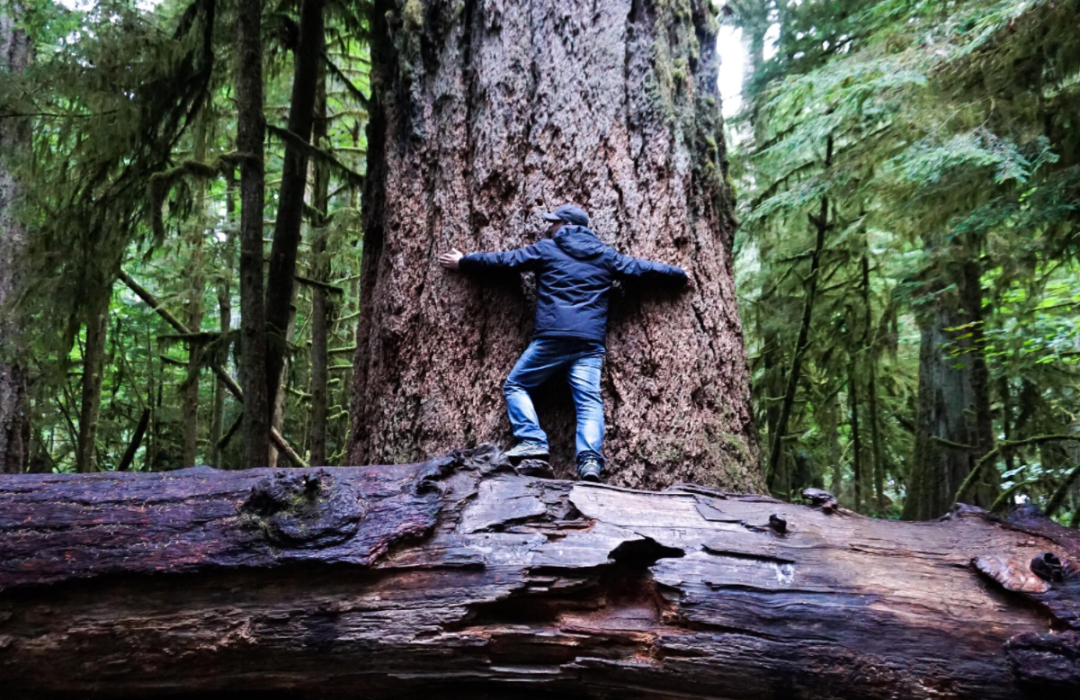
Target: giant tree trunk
[485,114]
[14,405]
[458,578]
[953,422]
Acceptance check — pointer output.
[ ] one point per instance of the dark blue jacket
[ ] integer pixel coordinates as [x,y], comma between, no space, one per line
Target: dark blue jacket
[574,273]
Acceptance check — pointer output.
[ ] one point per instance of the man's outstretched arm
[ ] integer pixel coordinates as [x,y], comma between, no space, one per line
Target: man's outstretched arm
[521,259]
[670,275]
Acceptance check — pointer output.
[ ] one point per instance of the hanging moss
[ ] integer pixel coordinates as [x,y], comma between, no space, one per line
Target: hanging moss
[413,15]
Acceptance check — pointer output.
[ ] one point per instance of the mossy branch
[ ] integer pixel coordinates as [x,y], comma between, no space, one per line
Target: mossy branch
[344,79]
[290,138]
[163,181]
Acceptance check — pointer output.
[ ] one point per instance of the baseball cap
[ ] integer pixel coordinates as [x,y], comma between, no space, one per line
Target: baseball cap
[570,214]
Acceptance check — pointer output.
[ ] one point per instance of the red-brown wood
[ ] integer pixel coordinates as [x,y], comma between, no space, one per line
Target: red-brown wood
[460,576]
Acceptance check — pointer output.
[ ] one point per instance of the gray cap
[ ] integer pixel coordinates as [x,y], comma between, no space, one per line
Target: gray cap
[570,214]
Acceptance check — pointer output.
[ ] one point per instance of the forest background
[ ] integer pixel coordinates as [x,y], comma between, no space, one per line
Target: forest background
[907,177]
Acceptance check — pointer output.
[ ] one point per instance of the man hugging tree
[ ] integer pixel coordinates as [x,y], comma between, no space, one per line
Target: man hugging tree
[574,275]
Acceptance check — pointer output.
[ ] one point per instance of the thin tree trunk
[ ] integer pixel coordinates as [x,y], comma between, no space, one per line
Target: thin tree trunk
[277,419]
[195,283]
[136,440]
[856,442]
[821,225]
[14,401]
[827,418]
[280,289]
[224,297]
[320,308]
[151,439]
[474,131]
[875,436]
[249,141]
[97,325]
[1006,418]
[870,344]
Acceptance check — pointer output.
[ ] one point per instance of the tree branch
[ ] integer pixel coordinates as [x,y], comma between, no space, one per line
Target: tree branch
[998,449]
[289,137]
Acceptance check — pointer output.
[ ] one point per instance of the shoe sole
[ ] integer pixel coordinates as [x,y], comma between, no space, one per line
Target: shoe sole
[591,478]
[517,459]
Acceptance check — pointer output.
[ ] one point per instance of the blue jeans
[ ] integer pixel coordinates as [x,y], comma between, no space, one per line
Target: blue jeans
[582,360]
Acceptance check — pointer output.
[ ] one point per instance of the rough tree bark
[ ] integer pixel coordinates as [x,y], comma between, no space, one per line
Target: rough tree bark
[14,403]
[460,578]
[195,281]
[93,366]
[485,114]
[953,421]
[277,415]
[224,298]
[280,288]
[871,344]
[250,130]
[320,303]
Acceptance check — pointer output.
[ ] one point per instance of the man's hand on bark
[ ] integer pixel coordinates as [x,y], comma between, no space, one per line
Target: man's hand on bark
[450,260]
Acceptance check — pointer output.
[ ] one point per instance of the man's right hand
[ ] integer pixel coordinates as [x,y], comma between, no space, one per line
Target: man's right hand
[451,260]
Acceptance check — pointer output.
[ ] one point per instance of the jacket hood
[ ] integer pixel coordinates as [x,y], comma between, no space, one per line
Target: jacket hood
[579,242]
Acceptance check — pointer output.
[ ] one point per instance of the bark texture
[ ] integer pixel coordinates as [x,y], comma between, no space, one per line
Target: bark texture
[250,131]
[280,290]
[93,367]
[486,113]
[224,298]
[14,403]
[953,421]
[196,284]
[460,578]
[320,303]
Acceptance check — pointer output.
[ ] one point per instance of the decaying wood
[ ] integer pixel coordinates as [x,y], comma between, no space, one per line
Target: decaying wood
[460,576]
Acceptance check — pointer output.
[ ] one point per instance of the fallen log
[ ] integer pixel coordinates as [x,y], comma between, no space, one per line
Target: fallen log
[461,576]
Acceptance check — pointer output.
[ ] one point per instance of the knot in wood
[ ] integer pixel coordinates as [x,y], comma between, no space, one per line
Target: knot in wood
[1048,567]
[777,524]
[1011,574]
[303,509]
[819,498]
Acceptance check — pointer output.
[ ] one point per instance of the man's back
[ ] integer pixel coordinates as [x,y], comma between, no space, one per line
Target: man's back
[575,272]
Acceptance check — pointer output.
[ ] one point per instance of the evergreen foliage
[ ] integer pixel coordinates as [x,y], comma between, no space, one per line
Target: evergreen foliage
[955,154]
[133,168]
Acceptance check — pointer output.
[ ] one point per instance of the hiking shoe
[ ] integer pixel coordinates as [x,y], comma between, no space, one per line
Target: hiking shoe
[527,450]
[589,470]
[535,467]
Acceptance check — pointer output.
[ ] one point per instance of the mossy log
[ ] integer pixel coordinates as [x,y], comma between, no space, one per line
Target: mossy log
[462,576]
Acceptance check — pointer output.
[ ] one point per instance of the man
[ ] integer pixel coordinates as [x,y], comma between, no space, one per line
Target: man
[574,274]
